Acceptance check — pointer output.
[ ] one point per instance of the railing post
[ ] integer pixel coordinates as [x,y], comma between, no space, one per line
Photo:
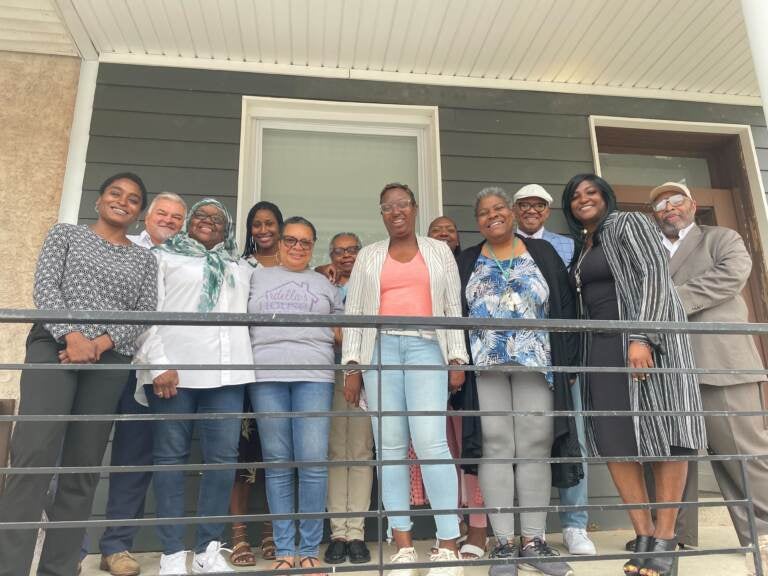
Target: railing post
[751,516]
[379,470]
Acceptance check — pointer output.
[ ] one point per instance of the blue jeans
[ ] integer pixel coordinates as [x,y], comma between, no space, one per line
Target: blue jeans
[218,444]
[413,390]
[131,446]
[294,439]
[576,495]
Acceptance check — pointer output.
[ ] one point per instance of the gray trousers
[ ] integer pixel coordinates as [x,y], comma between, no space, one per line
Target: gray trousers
[38,444]
[739,435]
[515,437]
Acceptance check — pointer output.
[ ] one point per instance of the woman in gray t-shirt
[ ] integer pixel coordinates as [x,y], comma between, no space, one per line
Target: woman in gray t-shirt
[292,288]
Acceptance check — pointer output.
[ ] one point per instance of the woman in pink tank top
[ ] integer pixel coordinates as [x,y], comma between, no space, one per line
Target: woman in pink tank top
[408,275]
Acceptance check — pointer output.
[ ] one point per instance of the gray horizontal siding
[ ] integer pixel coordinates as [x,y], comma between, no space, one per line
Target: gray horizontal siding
[180,130]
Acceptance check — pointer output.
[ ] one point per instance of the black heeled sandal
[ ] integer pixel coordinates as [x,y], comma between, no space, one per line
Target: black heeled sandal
[633,566]
[666,566]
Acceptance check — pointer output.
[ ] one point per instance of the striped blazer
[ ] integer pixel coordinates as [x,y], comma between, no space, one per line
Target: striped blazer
[364,293]
[645,292]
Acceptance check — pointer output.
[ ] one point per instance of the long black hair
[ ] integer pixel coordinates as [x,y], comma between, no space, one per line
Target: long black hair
[577,228]
[250,243]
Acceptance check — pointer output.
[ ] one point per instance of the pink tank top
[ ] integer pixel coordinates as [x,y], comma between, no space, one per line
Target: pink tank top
[405,288]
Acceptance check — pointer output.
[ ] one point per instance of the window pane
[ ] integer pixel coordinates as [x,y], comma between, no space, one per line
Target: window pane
[642,170]
[334,179]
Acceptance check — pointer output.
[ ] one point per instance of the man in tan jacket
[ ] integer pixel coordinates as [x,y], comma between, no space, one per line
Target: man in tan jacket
[710,266]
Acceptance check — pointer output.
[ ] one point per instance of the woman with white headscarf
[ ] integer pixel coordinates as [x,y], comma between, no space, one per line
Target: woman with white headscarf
[198,271]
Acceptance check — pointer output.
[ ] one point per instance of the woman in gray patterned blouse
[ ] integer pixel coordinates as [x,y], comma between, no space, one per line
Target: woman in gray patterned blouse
[80,268]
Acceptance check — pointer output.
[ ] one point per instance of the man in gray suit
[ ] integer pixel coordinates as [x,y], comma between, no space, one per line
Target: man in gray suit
[710,266]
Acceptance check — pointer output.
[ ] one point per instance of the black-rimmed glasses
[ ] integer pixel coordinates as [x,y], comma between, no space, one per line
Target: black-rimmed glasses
[351,250]
[292,241]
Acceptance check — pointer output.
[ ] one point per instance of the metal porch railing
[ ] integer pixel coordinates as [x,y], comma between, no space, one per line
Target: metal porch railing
[384,323]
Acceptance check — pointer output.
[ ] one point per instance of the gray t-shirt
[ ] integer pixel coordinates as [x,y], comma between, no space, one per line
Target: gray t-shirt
[279,291]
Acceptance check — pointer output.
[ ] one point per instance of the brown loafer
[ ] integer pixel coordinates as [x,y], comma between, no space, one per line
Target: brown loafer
[120,564]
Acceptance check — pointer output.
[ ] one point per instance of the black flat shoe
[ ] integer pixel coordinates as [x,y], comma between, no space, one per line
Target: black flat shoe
[666,566]
[336,553]
[358,552]
[633,566]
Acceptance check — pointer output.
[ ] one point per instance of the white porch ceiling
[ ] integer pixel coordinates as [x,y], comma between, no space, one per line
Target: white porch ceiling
[33,26]
[685,49]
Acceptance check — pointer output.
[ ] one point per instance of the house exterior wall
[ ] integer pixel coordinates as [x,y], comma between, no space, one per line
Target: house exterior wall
[36,105]
[180,130]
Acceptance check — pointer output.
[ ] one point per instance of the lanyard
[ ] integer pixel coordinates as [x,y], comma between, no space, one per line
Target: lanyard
[504,271]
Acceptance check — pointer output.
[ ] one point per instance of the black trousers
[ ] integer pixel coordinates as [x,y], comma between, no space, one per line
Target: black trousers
[37,444]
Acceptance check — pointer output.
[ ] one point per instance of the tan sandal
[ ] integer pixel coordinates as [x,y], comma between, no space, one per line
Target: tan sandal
[242,553]
[268,548]
[310,562]
[283,563]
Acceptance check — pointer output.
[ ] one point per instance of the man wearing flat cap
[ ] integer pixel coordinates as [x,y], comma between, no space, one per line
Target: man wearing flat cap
[710,266]
[530,206]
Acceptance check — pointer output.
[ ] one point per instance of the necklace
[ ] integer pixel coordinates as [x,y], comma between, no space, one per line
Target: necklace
[504,271]
[588,243]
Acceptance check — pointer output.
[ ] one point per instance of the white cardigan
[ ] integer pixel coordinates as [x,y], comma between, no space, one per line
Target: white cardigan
[364,295]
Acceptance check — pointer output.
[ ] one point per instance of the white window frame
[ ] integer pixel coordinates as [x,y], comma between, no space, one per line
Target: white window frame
[421,122]
[743,131]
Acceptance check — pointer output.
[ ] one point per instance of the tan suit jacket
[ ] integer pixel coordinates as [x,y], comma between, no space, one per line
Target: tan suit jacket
[709,269]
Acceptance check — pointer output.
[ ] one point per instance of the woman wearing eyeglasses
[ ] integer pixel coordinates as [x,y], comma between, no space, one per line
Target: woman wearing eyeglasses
[408,275]
[198,271]
[292,288]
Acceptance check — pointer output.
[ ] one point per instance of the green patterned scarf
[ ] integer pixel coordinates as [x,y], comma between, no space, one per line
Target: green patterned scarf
[216,259]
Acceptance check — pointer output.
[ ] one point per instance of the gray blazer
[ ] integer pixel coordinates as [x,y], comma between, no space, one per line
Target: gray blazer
[709,269]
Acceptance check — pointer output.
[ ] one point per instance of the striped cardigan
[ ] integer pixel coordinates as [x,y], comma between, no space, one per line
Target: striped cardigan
[364,294]
[644,288]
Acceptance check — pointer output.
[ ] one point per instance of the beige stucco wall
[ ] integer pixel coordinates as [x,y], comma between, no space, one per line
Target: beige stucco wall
[37,100]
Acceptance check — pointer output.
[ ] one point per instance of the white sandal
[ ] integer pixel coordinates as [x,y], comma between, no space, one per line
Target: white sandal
[476,552]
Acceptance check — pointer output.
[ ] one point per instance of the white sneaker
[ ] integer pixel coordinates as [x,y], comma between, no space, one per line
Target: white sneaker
[578,542]
[211,561]
[402,556]
[444,555]
[173,564]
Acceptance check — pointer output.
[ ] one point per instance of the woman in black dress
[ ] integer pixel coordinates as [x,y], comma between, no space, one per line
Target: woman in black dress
[620,272]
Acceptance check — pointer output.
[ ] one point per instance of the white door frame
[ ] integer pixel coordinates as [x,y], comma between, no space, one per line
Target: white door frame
[421,122]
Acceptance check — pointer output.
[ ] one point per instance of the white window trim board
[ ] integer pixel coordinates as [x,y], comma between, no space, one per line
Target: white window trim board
[259,113]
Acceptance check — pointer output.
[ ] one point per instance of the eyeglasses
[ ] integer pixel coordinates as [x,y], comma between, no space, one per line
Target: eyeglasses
[215,219]
[351,250]
[292,241]
[674,200]
[400,205]
[535,206]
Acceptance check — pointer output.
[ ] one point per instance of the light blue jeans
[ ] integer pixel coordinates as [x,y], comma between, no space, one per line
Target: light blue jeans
[413,390]
[297,439]
[172,444]
[576,495]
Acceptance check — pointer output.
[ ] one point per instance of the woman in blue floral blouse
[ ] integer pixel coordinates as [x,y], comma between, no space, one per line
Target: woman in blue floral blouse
[509,277]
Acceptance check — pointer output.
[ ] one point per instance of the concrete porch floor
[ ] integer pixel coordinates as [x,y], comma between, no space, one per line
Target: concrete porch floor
[608,542]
